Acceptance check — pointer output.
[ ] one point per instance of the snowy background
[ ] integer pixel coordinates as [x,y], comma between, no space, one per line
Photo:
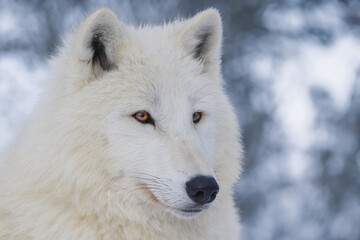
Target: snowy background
[293,73]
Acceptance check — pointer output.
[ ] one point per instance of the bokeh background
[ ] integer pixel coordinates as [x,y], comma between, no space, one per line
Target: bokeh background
[292,70]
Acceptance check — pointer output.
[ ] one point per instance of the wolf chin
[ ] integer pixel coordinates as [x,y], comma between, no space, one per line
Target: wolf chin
[134,138]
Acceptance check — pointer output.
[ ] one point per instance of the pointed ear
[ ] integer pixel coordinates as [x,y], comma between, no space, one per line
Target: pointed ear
[202,37]
[98,40]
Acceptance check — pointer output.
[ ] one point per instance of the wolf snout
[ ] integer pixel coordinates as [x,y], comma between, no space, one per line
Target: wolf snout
[202,189]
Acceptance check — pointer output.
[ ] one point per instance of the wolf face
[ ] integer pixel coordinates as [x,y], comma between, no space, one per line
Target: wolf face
[169,129]
[154,97]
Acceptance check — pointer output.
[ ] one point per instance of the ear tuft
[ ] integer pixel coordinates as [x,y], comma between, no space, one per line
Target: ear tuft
[99,53]
[201,46]
[202,37]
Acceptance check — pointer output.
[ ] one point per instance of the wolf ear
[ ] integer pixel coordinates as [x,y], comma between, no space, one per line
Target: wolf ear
[98,39]
[202,37]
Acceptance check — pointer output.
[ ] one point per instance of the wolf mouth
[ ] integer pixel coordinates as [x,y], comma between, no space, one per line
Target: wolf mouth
[154,199]
[191,210]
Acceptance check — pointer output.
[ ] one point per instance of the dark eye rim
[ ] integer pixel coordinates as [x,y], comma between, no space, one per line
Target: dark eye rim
[149,120]
[198,120]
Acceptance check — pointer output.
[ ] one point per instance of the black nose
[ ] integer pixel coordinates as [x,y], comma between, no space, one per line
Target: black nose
[202,189]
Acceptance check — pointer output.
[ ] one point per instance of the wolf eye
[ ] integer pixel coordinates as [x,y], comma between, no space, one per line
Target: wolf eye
[143,117]
[197,117]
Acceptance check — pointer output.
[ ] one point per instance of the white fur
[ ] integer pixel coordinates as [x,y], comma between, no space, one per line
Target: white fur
[84,168]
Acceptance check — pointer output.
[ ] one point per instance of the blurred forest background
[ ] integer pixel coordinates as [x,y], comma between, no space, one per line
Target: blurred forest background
[292,69]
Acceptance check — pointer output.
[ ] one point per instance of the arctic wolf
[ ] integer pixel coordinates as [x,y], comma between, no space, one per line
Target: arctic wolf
[134,139]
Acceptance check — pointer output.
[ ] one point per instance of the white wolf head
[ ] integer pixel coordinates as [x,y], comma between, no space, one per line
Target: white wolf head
[152,100]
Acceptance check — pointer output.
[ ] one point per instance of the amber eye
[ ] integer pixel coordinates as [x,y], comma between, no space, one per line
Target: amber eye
[143,117]
[197,117]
